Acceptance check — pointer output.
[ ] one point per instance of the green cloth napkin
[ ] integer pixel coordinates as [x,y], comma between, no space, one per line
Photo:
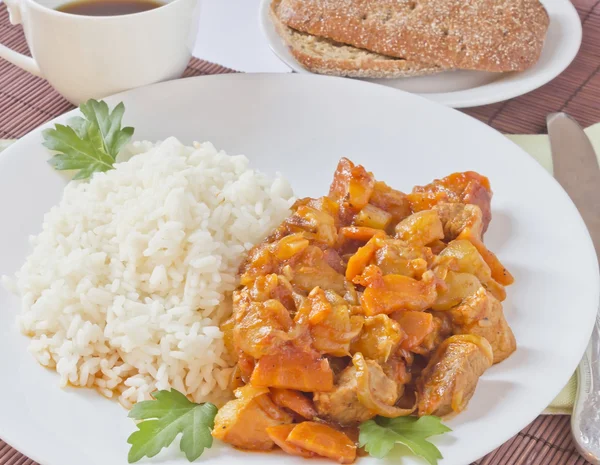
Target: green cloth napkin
[5,143]
[538,147]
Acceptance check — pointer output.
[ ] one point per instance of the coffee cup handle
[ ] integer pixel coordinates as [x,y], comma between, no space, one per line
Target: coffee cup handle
[18,59]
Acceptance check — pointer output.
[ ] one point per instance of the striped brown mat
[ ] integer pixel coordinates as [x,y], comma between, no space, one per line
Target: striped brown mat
[27,101]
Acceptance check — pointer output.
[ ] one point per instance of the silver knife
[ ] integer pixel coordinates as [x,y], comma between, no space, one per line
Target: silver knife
[576,169]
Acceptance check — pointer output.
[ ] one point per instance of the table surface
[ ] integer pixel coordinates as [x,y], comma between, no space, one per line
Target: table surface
[26,102]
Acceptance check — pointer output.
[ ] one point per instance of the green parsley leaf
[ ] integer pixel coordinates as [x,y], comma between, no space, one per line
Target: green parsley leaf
[90,143]
[379,436]
[108,124]
[423,427]
[164,418]
[377,440]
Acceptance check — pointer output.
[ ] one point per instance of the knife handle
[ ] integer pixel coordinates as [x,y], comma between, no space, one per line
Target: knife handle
[585,421]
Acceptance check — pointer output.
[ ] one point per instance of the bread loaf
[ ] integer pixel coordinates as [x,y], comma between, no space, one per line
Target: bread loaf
[324,56]
[486,35]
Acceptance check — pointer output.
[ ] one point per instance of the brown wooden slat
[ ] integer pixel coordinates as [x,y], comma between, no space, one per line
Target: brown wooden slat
[27,101]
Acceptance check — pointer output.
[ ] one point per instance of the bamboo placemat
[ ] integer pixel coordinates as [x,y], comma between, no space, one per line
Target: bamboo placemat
[27,101]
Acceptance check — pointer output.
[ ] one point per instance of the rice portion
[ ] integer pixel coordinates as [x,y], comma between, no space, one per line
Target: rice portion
[133,271]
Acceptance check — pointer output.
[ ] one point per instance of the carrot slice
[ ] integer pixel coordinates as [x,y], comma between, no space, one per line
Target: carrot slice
[360,233]
[320,306]
[399,293]
[499,273]
[294,401]
[292,368]
[371,276]
[416,325]
[362,257]
[279,434]
[323,440]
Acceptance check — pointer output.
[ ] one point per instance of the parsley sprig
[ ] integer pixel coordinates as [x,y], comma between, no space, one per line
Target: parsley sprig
[171,413]
[379,436]
[165,417]
[90,143]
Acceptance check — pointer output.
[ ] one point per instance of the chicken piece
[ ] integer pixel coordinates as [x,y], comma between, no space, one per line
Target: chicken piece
[243,422]
[458,287]
[437,246]
[352,185]
[313,270]
[318,225]
[326,205]
[342,405]
[498,270]
[456,217]
[379,337]
[314,309]
[448,382]
[420,228]
[227,328]
[469,260]
[260,327]
[260,261]
[468,187]
[275,287]
[245,367]
[323,440]
[396,369]
[293,368]
[332,328]
[367,390]
[399,293]
[334,260]
[481,314]
[390,200]
[465,222]
[442,328]
[308,216]
[398,257]
[288,246]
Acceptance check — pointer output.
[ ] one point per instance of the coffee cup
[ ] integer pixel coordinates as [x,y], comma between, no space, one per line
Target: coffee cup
[85,57]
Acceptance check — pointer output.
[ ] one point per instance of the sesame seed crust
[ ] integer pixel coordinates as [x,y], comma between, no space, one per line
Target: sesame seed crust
[486,35]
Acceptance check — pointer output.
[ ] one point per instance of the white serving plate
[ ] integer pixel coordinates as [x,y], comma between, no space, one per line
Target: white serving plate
[301,125]
[461,89]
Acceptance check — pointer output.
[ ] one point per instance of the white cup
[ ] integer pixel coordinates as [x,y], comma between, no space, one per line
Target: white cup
[85,57]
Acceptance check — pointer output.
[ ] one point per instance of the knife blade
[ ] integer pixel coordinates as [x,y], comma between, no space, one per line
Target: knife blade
[576,169]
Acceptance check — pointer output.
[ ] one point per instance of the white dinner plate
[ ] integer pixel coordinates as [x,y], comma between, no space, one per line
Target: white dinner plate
[460,89]
[301,125]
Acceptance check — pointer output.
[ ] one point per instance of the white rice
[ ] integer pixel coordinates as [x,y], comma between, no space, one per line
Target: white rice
[132,273]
